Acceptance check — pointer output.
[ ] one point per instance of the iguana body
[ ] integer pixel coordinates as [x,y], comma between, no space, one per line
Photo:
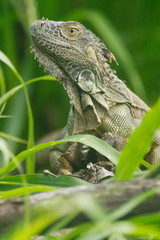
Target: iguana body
[101,104]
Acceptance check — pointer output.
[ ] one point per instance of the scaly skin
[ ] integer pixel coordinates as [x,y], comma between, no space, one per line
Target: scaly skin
[101,104]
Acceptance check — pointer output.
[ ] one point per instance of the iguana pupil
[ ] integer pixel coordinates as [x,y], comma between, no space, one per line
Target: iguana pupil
[72,30]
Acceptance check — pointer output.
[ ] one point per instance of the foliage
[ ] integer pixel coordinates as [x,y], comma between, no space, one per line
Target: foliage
[26,115]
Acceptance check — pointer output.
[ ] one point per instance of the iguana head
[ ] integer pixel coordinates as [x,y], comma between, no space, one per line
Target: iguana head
[71,52]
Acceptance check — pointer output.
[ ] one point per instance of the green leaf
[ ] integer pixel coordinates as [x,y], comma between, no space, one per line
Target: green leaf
[153,173]
[5,116]
[6,60]
[138,144]
[14,90]
[23,191]
[13,182]
[151,218]
[129,206]
[8,136]
[30,160]
[2,82]
[91,141]
[9,94]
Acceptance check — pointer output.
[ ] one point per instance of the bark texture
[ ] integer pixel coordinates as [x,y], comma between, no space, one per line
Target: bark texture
[110,195]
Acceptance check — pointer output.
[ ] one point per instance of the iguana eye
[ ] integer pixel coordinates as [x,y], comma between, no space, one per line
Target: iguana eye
[73,31]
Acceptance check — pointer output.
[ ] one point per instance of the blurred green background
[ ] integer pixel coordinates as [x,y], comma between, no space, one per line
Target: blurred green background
[130,29]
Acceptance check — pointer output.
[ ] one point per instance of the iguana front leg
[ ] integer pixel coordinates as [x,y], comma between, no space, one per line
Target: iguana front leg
[59,163]
[57,157]
[68,158]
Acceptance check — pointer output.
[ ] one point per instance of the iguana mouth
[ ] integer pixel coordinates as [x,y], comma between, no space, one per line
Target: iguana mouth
[44,58]
[47,62]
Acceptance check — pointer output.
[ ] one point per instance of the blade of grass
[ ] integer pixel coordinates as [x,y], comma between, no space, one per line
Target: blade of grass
[8,136]
[2,108]
[30,159]
[26,12]
[14,90]
[6,60]
[91,141]
[8,155]
[129,206]
[35,226]
[43,218]
[31,11]
[12,182]
[5,116]
[153,173]
[138,144]
[5,153]
[2,82]
[147,219]
[23,191]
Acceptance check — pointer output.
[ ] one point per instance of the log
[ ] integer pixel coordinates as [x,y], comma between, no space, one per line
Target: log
[111,195]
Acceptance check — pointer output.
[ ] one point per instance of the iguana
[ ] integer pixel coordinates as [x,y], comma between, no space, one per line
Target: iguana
[101,104]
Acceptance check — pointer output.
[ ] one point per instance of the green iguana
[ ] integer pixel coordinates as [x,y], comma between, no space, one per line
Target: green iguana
[101,104]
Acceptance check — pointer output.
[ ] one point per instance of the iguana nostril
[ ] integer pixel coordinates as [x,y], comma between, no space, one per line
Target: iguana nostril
[42,23]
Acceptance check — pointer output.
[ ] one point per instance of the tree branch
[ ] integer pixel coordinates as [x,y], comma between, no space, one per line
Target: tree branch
[110,195]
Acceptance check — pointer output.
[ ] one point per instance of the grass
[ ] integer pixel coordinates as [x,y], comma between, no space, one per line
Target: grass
[127,163]
[18,84]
